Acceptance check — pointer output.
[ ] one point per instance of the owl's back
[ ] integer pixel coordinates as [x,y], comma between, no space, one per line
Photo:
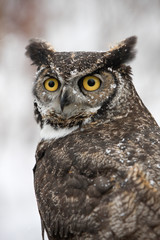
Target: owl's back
[93,184]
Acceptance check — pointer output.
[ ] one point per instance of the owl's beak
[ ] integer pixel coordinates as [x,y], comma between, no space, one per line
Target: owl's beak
[64,100]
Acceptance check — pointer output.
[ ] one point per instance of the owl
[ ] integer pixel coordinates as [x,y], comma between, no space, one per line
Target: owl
[97,172]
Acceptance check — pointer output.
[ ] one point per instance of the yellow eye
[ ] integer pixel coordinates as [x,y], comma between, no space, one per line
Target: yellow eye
[51,84]
[91,83]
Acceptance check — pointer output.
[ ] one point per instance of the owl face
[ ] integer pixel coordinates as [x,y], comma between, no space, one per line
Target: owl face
[72,87]
[74,96]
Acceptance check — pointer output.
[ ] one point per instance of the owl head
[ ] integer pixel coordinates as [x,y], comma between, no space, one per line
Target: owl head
[74,88]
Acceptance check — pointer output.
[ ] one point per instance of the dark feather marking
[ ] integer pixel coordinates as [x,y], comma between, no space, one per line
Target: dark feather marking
[38,115]
[105,105]
[122,53]
[56,121]
[39,52]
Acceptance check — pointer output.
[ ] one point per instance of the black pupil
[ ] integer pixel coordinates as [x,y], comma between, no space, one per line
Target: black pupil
[91,82]
[51,84]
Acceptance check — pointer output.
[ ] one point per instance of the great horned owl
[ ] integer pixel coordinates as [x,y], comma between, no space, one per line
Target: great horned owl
[97,173]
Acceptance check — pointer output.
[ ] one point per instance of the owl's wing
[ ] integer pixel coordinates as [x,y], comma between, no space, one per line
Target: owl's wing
[73,207]
[135,211]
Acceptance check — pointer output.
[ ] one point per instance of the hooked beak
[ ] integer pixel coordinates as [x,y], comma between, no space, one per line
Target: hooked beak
[64,100]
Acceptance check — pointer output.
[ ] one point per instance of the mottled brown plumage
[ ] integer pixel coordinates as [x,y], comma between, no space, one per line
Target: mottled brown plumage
[97,173]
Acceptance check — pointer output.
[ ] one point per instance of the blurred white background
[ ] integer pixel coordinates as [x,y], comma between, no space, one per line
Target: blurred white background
[68,25]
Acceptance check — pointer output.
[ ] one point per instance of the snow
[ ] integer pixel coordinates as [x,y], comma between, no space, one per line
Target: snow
[121,160]
[113,86]
[74,91]
[73,73]
[152,182]
[84,26]
[108,151]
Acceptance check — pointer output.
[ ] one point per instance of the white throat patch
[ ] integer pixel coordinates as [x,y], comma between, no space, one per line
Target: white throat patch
[48,132]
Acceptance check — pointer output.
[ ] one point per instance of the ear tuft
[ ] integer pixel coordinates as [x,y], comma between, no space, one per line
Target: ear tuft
[122,53]
[39,51]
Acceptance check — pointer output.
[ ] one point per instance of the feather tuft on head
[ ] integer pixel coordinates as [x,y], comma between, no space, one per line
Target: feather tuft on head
[39,51]
[122,53]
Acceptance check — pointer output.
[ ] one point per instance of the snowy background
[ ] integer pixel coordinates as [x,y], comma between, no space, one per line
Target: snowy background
[68,25]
